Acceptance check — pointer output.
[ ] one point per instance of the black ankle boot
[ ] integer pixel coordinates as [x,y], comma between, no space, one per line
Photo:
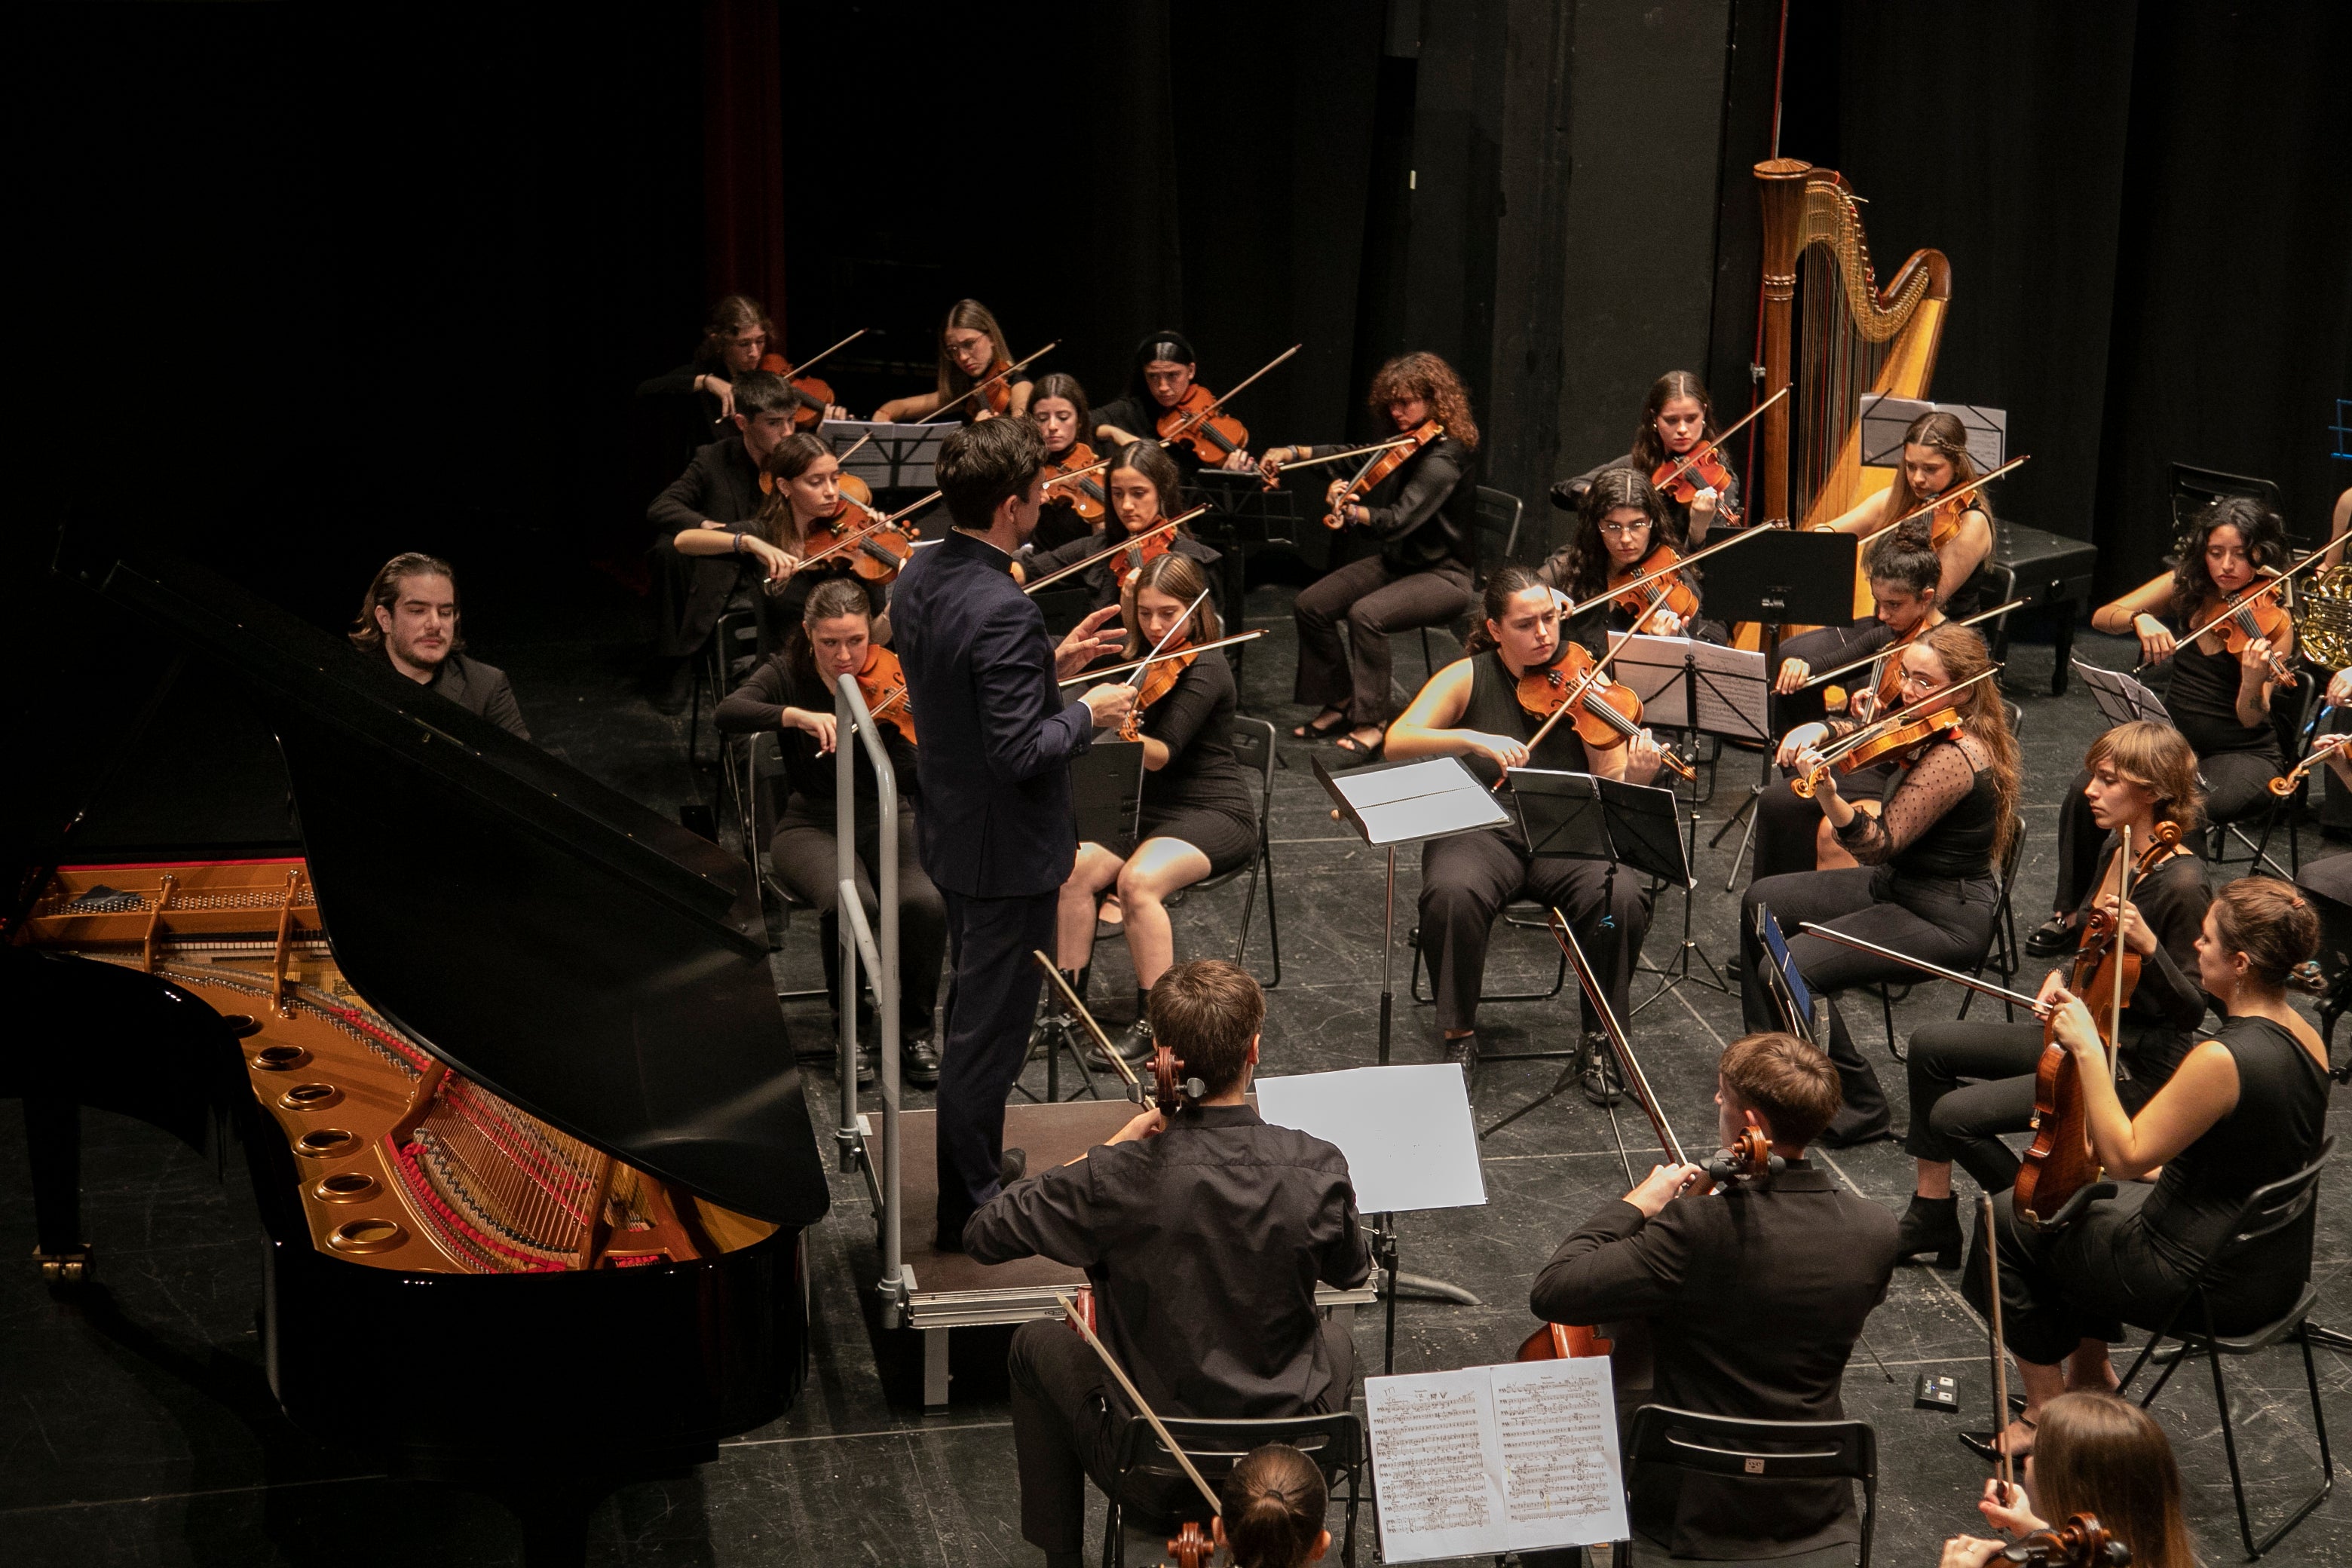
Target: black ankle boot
[1931,1225]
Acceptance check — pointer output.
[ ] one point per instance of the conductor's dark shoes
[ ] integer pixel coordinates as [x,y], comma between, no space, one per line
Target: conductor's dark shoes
[919,1062]
[1463,1053]
[1011,1166]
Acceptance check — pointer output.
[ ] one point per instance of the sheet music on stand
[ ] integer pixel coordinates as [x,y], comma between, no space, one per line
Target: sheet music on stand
[1491,1459]
[1885,419]
[898,457]
[1727,686]
[1404,802]
[1106,794]
[2121,699]
[1405,1130]
[1584,818]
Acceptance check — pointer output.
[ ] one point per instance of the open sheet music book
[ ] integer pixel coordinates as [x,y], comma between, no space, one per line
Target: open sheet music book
[1495,1458]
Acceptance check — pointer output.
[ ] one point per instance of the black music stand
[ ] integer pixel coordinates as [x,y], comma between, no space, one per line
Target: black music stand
[901,457]
[1106,800]
[1788,579]
[2121,699]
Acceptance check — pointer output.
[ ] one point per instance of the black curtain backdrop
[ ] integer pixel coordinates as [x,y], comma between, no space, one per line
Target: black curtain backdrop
[743,183]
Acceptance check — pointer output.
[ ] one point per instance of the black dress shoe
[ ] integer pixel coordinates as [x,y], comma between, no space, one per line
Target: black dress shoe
[867,1060]
[1598,1074]
[1134,1043]
[1931,1225]
[1463,1053]
[1011,1166]
[919,1062]
[2052,937]
[1734,971]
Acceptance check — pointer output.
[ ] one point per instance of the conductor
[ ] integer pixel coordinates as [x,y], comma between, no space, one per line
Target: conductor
[995,833]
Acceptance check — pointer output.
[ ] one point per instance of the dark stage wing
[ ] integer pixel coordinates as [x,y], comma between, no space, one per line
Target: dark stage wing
[549,938]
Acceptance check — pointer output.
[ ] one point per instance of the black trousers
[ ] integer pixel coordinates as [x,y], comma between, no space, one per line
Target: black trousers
[992,1002]
[1466,880]
[1788,826]
[1067,1415]
[806,856]
[2104,1270]
[1945,922]
[1970,1083]
[1375,600]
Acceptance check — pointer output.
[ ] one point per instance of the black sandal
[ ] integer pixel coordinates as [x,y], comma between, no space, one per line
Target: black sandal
[1981,1444]
[1368,750]
[1311,731]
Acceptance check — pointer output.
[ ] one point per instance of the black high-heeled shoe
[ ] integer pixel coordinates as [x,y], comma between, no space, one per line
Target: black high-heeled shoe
[1931,1225]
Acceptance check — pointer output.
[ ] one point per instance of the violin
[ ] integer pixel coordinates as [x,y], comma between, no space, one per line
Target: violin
[1379,468]
[996,391]
[1904,730]
[2081,1543]
[1604,714]
[1160,678]
[2254,613]
[878,548]
[1668,592]
[1699,469]
[2061,1162]
[1066,479]
[811,397]
[2321,750]
[1197,422]
[883,684]
[1151,547]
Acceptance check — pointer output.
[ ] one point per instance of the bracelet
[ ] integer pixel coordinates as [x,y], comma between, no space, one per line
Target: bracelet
[737,549]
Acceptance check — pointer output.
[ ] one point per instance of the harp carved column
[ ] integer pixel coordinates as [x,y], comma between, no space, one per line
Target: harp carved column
[1780,183]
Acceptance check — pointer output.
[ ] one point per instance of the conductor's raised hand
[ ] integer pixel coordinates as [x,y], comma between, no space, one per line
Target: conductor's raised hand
[1109,704]
[1662,1187]
[1087,642]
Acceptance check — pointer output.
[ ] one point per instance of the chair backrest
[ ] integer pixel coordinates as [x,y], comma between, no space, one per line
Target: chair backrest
[1253,742]
[1498,527]
[2016,717]
[2193,487]
[1735,1446]
[1335,1442]
[735,647]
[2274,1208]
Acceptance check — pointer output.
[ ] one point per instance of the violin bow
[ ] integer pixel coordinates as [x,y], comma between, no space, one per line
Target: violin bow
[1070,1310]
[851,450]
[1350,452]
[1986,988]
[802,368]
[1902,715]
[1134,1084]
[1969,488]
[1584,685]
[1740,536]
[1201,417]
[933,416]
[1852,665]
[1127,543]
[1714,443]
[2004,1467]
[2124,870]
[1134,664]
[2247,597]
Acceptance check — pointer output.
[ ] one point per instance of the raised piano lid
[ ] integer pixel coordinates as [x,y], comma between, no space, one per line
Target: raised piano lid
[578,954]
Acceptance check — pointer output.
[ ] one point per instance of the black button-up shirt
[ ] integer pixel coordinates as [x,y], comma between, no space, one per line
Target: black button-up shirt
[1204,1244]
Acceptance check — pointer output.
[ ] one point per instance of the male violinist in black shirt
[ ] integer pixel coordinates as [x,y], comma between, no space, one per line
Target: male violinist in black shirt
[1753,1296]
[1203,1235]
[409,615]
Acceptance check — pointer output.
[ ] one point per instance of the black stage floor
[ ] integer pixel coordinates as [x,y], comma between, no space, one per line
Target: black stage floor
[137,1428]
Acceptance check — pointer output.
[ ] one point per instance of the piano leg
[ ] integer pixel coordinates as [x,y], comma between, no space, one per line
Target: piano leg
[53,1139]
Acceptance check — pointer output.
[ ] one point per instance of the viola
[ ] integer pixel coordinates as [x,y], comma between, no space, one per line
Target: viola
[1197,422]
[883,683]
[2081,1543]
[1069,478]
[1378,468]
[1668,592]
[2254,613]
[1603,712]
[1699,469]
[2061,1162]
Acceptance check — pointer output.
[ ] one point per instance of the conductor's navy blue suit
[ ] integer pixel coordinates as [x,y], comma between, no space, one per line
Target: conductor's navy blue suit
[995,830]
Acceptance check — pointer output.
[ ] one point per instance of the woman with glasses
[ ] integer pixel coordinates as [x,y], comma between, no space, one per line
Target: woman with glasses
[971,349]
[1923,878]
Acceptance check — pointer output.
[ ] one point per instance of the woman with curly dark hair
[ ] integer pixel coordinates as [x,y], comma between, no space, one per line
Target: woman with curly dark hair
[2220,701]
[1425,518]
[1620,523]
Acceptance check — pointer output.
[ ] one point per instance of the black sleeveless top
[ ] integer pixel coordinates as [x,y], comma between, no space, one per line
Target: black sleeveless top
[1957,846]
[1493,707]
[2203,701]
[2273,1133]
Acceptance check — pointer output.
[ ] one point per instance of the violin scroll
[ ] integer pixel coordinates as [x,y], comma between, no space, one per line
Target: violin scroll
[2081,1543]
[1749,1156]
[2321,750]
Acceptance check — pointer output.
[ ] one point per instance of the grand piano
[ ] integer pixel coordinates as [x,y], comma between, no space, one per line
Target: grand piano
[500,1047]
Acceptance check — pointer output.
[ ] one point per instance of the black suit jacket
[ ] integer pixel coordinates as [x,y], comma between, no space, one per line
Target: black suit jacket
[479,687]
[720,485]
[997,736]
[1754,1300]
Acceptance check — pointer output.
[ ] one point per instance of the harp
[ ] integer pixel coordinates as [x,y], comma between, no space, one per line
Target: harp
[1831,334]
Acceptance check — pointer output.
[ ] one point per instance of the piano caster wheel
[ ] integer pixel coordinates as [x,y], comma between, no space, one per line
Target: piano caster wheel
[65,1267]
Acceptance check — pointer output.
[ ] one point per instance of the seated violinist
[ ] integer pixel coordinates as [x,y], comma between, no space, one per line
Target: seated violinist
[1202,1235]
[2222,682]
[2247,1107]
[1677,419]
[409,615]
[1753,1298]
[2143,778]
[1790,836]
[1473,709]
[1421,574]
[736,342]
[1923,883]
[971,350]
[1621,534]
[1165,375]
[2097,1455]
[1144,490]
[1935,460]
[793,691]
[1071,509]
[1199,815]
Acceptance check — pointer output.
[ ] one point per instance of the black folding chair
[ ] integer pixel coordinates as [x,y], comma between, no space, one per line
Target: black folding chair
[1254,744]
[1335,1442]
[1755,1451]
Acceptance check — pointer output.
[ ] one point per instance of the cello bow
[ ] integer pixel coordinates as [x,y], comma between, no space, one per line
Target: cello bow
[1192,1545]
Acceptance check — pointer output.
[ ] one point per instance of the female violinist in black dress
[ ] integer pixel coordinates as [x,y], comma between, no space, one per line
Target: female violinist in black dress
[971,349]
[1058,405]
[1676,417]
[2220,699]
[1622,521]
[2141,775]
[2246,1106]
[1199,815]
[1427,527]
[1923,883]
